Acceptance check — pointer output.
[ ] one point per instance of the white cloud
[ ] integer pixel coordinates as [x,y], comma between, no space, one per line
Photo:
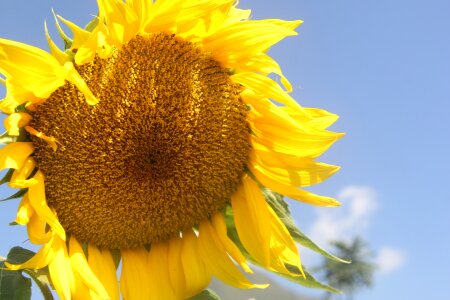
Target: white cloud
[352,218]
[389,260]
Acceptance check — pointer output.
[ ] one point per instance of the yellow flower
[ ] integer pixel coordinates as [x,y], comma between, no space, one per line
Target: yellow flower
[135,141]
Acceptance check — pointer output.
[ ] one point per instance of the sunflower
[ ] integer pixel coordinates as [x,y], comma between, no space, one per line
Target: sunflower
[138,142]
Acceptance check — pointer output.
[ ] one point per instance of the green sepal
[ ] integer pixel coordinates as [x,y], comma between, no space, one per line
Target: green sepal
[92,24]
[16,195]
[21,108]
[281,208]
[206,295]
[19,255]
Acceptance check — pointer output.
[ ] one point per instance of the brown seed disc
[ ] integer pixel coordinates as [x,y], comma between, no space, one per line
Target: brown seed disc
[164,148]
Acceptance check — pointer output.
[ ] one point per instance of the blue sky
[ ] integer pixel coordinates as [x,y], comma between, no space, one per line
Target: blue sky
[384,67]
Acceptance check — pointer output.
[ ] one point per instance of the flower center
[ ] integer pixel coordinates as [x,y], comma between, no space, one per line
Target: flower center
[164,148]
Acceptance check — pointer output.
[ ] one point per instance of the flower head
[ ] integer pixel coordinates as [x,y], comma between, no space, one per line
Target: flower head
[157,127]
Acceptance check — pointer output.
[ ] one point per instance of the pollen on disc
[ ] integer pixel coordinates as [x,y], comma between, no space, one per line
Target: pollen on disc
[164,148]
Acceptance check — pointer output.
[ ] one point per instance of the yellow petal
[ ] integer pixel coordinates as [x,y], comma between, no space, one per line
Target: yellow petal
[36,194]
[15,95]
[159,269]
[284,187]
[296,171]
[175,264]
[273,114]
[51,141]
[15,121]
[73,76]
[244,39]
[25,211]
[282,245]
[291,25]
[81,267]
[263,64]
[266,87]
[218,261]
[197,276]
[96,44]
[121,21]
[102,265]
[315,117]
[250,217]
[14,155]
[60,270]
[37,230]
[81,291]
[32,68]
[237,15]
[202,18]
[135,278]
[142,9]
[220,227]
[40,260]
[80,36]
[294,142]
[19,177]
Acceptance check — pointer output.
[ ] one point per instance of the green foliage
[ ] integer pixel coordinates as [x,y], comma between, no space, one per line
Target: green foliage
[350,277]
[13,285]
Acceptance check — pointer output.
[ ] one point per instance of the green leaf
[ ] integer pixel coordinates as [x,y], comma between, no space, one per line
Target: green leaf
[13,285]
[206,295]
[41,277]
[281,208]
